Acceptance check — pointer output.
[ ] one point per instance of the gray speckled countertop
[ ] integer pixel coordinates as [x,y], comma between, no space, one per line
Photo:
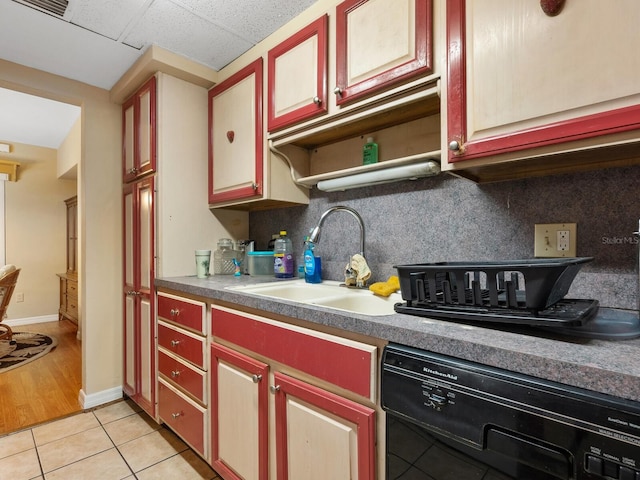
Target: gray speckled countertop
[610,367]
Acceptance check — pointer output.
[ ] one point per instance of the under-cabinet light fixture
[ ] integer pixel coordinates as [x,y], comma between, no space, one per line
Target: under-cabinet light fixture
[377,177]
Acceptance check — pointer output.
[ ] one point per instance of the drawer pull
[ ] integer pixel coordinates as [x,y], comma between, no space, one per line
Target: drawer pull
[176,415]
[256,378]
[274,388]
[174,312]
[175,343]
[175,373]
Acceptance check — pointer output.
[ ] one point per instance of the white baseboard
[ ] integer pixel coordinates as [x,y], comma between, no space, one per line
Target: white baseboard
[99,398]
[29,320]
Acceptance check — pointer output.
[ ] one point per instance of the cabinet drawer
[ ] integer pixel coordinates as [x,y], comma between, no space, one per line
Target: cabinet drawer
[182,311]
[183,416]
[72,288]
[340,361]
[184,375]
[182,343]
[72,306]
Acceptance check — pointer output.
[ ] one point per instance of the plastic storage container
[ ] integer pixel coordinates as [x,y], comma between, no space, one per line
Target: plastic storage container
[260,263]
[283,256]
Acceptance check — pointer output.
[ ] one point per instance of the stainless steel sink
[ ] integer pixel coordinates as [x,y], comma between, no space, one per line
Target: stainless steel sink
[326,294]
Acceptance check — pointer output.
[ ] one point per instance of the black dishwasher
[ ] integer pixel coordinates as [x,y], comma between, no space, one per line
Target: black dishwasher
[457,420]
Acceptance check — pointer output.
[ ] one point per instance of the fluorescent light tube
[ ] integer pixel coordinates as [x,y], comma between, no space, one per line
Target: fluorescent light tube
[377,177]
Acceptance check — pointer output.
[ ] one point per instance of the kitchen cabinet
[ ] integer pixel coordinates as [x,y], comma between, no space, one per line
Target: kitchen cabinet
[316,390]
[139,271]
[297,76]
[522,85]
[380,43]
[183,369]
[236,136]
[139,132]
[162,225]
[383,85]
[69,280]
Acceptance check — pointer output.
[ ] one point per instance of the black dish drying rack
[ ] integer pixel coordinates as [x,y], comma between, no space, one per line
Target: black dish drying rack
[525,292]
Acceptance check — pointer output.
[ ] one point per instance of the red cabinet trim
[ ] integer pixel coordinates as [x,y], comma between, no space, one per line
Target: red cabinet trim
[187,347]
[319,29]
[189,378]
[182,416]
[422,63]
[186,314]
[151,87]
[342,365]
[588,126]
[252,367]
[254,68]
[360,415]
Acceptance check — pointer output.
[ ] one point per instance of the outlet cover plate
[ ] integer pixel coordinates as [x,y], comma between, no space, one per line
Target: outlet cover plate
[547,240]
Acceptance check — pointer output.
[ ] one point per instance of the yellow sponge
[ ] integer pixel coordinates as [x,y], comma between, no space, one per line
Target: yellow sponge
[384,289]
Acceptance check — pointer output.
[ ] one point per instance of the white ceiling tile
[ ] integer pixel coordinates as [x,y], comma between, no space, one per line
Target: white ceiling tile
[172,27]
[251,19]
[38,40]
[106,17]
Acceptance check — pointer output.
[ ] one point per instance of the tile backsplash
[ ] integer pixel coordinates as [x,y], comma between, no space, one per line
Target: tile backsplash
[446,218]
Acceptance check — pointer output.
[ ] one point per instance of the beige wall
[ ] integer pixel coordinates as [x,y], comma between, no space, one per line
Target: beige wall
[70,152]
[35,230]
[100,235]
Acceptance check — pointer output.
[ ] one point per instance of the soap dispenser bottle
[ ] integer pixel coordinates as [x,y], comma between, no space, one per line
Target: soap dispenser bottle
[370,152]
[312,264]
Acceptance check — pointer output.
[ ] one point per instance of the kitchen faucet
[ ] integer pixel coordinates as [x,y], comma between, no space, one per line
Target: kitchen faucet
[314,237]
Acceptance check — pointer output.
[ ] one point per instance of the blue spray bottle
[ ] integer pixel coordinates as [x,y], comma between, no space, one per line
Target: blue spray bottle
[312,264]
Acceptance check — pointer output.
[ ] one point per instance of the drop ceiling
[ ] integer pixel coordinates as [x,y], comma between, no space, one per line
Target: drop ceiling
[97,41]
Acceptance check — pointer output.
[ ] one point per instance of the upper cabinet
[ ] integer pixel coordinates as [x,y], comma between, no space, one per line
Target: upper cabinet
[524,85]
[139,132]
[236,137]
[298,76]
[380,43]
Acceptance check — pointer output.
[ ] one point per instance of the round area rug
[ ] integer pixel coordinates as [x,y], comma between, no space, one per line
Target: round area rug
[27,347]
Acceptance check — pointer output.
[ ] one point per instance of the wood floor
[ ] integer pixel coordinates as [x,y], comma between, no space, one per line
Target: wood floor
[46,388]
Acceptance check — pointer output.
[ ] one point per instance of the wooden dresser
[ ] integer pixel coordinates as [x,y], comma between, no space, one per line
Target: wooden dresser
[69,279]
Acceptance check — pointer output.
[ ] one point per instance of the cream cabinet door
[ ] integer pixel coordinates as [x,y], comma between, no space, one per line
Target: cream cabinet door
[380,43]
[239,415]
[139,132]
[297,76]
[320,435]
[236,136]
[520,79]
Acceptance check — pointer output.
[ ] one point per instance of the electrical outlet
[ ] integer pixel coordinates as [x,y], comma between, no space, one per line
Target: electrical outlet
[555,240]
[19,297]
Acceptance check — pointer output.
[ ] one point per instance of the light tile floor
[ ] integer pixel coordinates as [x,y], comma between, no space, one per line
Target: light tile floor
[117,441]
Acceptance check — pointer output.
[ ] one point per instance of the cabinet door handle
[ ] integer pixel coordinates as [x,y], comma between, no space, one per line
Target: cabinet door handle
[176,415]
[455,146]
[337,91]
[175,373]
[175,343]
[255,186]
[317,100]
[174,312]
[133,170]
[256,378]
[274,388]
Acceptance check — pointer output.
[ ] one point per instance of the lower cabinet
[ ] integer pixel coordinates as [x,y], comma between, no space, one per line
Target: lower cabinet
[269,417]
[183,378]
[261,399]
